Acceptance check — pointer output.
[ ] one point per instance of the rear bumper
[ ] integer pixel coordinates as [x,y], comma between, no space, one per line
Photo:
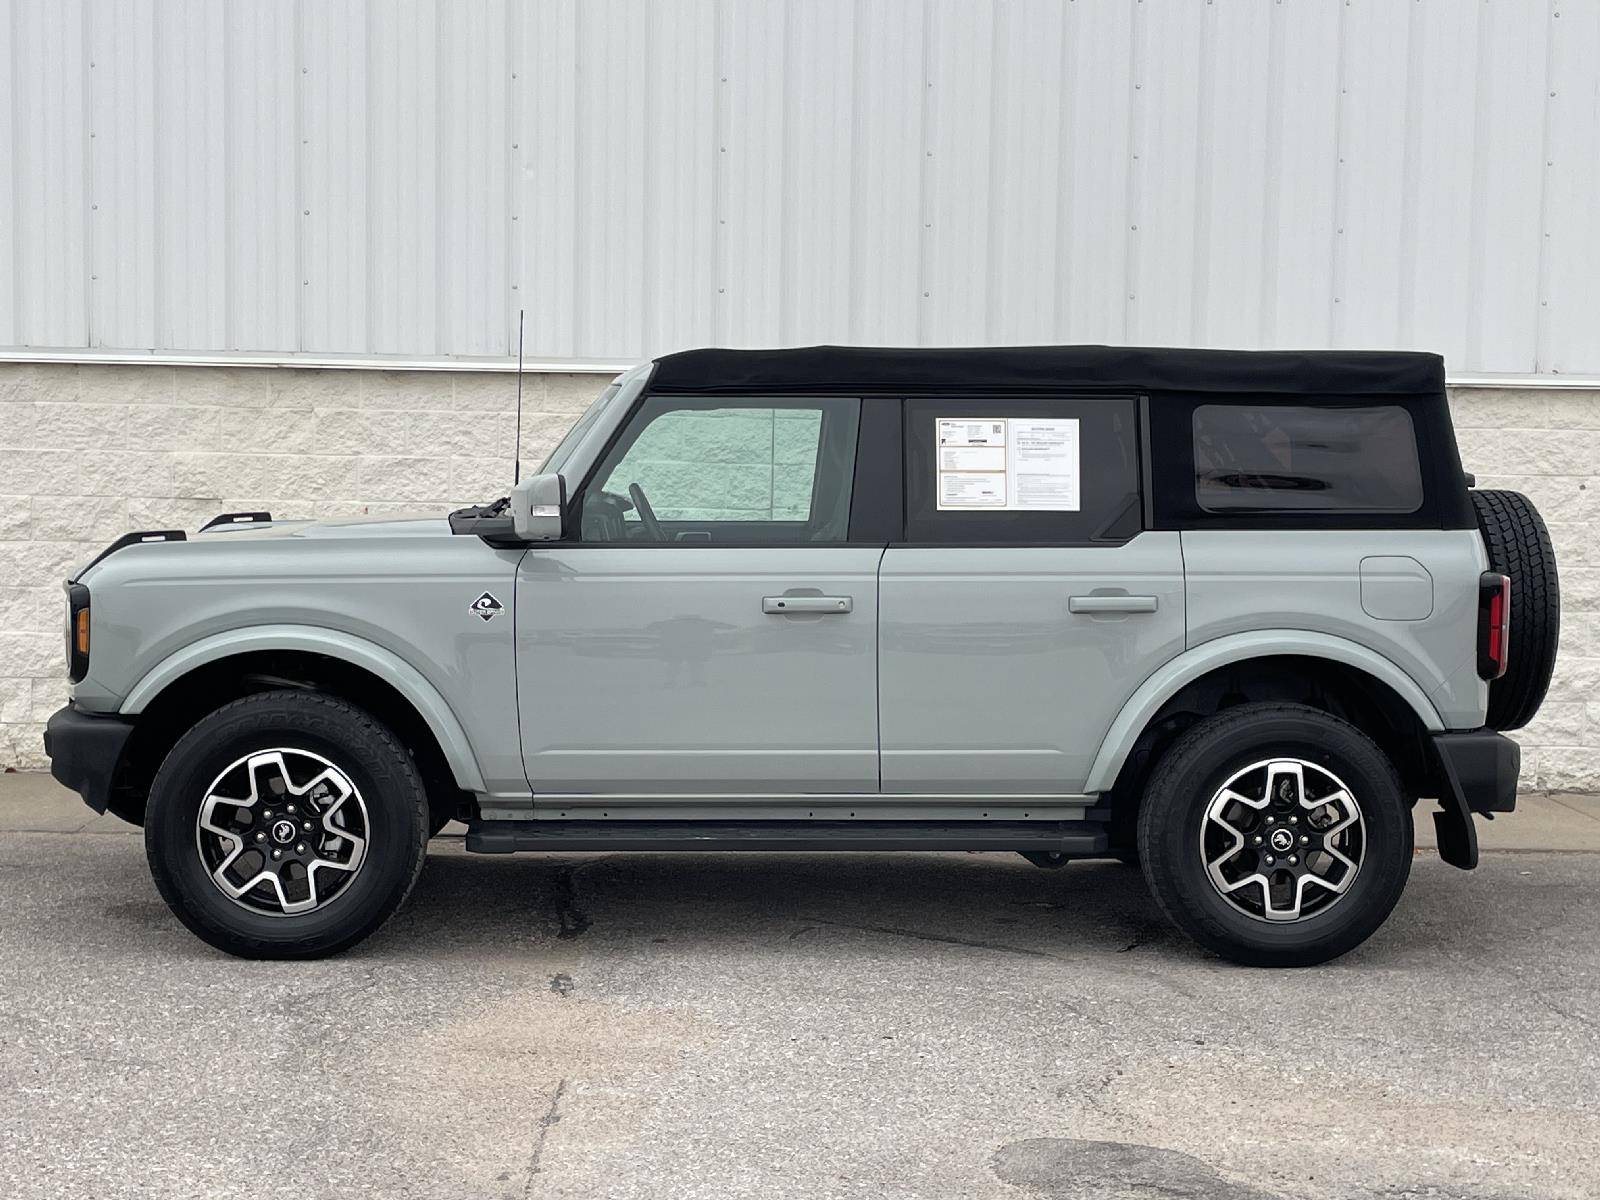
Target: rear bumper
[84,750]
[1482,767]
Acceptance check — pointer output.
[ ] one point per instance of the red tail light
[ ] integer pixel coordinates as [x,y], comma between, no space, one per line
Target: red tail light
[1494,624]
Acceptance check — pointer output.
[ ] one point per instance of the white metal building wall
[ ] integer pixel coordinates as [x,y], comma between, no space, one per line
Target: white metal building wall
[397,177]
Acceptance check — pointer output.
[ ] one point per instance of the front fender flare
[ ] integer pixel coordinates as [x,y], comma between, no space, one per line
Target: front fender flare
[333,643]
[1240,647]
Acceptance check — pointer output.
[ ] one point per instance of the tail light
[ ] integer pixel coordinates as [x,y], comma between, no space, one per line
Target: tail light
[77,632]
[1494,624]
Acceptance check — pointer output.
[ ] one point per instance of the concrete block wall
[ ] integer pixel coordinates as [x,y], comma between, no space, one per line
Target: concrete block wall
[87,453]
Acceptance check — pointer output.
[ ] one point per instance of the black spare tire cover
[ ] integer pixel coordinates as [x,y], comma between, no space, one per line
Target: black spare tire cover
[1519,547]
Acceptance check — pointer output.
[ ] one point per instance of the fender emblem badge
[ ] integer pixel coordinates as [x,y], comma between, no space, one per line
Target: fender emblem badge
[486,606]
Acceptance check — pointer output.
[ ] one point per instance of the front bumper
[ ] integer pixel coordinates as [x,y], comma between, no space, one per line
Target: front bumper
[84,750]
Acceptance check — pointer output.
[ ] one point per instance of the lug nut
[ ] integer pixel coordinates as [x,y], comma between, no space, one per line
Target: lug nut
[1304,840]
[1292,820]
[277,854]
[299,847]
[1293,859]
[261,837]
[290,808]
[1270,860]
[306,825]
[1256,840]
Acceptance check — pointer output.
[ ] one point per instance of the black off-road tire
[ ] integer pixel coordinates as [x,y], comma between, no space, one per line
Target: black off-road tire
[1519,547]
[363,749]
[1201,761]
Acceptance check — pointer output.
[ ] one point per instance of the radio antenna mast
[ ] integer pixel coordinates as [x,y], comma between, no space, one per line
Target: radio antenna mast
[516,466]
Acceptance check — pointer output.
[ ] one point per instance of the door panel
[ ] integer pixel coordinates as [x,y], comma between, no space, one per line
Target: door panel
[655,669]
[991,683]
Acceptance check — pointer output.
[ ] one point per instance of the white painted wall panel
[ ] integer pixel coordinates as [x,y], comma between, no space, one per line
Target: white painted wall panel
[49,197]
[8,187]
[396,177]
[190,297]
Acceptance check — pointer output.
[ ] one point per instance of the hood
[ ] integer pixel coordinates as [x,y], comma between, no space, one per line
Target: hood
[404,525]
[159,547]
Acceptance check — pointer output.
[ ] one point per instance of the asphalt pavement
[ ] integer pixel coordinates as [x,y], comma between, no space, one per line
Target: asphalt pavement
[940,1025]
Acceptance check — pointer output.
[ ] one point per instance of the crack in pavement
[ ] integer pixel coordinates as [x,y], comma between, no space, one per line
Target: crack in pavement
[918,935]
[551,1116]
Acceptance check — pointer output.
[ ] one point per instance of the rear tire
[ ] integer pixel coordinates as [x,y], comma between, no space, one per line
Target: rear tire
[1519,547]
[286,825]
[1188,827]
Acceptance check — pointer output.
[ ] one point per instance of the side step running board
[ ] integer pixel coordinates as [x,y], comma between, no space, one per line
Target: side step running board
[1072,838]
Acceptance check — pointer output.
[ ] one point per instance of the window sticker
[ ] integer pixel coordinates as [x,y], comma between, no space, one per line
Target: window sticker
[1015,464]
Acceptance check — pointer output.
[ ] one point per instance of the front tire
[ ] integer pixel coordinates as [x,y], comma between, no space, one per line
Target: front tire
[286,825]
[1276,835]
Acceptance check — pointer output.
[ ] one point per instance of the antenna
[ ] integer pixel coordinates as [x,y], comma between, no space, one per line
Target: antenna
[516,465]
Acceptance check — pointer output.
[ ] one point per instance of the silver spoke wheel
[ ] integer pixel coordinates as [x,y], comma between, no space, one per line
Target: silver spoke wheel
[282,832]
[1282,839]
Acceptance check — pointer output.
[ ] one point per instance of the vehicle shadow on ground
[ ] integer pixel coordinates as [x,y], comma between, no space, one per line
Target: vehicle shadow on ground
[992,901]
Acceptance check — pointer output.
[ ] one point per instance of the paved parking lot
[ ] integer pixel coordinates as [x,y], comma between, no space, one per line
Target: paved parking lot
[795,1026]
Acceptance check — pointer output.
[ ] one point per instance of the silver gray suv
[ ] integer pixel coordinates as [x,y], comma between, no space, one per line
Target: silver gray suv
[1224,615]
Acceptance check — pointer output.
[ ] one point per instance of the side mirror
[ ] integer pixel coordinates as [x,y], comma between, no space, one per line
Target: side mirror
[539,508]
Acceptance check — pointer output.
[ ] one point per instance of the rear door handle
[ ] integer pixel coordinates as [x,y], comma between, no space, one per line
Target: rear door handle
[782,606]
[1111,604]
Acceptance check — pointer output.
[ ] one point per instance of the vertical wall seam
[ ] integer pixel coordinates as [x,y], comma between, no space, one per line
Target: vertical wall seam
[302,260]
[86,67]
[1338,264]
[719,171]
[925,177]
[513,244]
[1542,357]
[369,283]
[1134,193]
[1410,195]
[994,131]
[1478,170]
[1061,317]
[1204,178]
[442,342]
[1272,190]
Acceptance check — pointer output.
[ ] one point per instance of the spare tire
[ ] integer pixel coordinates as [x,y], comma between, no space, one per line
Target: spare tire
[1519,547]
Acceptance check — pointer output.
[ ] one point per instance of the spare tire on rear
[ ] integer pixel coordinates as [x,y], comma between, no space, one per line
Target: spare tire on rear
[1519,548]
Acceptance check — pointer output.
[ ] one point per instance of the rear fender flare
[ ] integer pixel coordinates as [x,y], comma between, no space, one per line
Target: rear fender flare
[1160,687]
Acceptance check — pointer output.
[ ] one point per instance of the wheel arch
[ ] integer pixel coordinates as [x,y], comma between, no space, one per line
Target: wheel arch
[1244,652]
[207,673]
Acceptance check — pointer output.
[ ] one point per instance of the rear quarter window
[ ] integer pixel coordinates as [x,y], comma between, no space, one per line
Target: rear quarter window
[1300,459]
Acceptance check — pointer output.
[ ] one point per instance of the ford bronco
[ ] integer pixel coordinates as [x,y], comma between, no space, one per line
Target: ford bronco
[1224,615]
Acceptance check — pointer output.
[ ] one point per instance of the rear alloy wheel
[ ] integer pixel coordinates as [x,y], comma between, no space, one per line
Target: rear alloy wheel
[1276,835]
[286,825]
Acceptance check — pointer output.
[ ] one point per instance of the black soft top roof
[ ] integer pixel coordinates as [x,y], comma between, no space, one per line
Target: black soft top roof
[857,369]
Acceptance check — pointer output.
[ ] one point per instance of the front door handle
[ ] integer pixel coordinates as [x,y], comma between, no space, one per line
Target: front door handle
[782,606]
[1111,604]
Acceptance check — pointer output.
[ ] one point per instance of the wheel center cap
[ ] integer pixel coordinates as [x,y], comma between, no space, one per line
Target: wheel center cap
[1281,840]
[283,832]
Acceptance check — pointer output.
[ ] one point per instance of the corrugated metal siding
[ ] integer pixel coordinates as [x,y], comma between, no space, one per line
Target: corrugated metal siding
[372,177]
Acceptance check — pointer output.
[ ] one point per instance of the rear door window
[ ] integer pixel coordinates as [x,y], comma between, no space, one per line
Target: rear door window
[1295,458]
[1037,471]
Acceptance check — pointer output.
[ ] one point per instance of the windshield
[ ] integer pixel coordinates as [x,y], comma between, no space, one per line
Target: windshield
[563,451]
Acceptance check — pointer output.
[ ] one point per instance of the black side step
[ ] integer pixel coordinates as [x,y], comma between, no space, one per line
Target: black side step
[1073,838]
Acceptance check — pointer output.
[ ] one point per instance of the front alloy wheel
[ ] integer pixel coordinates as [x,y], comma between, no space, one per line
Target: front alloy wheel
[286,824]
[282,831]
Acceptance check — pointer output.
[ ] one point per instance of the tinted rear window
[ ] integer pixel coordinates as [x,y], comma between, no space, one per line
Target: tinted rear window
[1289,458]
